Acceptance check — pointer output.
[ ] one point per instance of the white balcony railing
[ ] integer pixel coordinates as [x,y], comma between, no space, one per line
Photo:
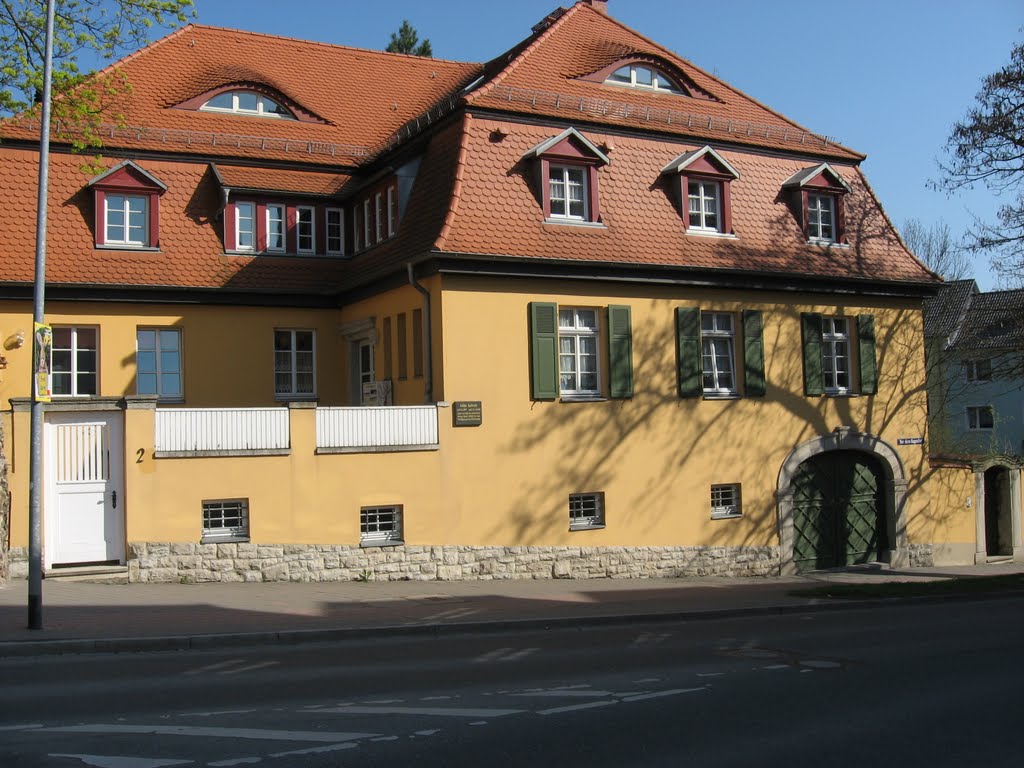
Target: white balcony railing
[405,427]
[197,430]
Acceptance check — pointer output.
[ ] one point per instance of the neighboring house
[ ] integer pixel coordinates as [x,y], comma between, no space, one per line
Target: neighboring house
[583,310]
[975,347]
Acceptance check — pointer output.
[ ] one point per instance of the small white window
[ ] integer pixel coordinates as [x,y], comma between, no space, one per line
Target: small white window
[725,501]
[392,213]
[335,231]
[225,520]
[75,369]
[126,220]
[567,191]
[367,230]
[379,217]
[305,231]
[578,351]
[275,228]
[978,370]
[835,354]
[294,364]
[705,210]
[640,76]
[717,335]
[380,526]
[586,510]
[980,417]
[821,214]
[245,226]
[246,103]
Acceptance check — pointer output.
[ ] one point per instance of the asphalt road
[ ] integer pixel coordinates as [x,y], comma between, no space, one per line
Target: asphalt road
[917,685]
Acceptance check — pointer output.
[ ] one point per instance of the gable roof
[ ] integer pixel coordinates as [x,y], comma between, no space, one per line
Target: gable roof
[572,135]
[546,76]
[687,159]
[804,176]
[130,167]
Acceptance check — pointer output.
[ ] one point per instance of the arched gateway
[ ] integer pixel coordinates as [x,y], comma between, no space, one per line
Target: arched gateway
[840,500]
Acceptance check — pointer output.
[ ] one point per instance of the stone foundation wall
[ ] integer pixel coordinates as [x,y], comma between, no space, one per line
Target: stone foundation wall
[921,555]
[188,563]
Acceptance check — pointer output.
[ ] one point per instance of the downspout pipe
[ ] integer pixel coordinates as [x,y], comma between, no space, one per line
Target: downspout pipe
[428,350]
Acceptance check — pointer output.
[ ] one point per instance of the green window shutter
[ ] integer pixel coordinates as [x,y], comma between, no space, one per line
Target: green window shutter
[866,347]
[753,353]
[620,351]
[814,379]
[688,359]
[543,350]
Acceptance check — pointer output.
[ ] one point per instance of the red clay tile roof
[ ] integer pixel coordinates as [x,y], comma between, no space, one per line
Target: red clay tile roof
[642,221]
[365,96]
[280,180]
[544,79]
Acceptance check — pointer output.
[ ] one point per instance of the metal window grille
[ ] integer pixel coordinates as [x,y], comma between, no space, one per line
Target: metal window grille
[586,510]
[725,500]
[380,525]
[226,519]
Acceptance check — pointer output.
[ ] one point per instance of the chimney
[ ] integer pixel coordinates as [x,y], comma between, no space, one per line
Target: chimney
[601,6]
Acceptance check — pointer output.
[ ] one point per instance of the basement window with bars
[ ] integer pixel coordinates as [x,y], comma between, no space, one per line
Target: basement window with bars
[725,501]
[225,520]
[380,526]
[586,510]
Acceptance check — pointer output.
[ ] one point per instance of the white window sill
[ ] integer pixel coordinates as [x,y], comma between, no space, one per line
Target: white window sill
[710,233]
[382,543]
[721,395]
[583,399]
[841,393]
[827,243]
[586,526]
[726,515]
[284,397]
[237,539]
[127,247]
[575,223]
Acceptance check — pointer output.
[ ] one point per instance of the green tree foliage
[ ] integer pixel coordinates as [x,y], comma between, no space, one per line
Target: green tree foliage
[406,40]
[987,147]
[87,30]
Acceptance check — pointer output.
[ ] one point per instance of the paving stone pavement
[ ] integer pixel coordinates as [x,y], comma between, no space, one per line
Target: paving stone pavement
[81,616]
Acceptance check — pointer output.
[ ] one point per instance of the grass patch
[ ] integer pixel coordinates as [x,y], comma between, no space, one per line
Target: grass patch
[967,585]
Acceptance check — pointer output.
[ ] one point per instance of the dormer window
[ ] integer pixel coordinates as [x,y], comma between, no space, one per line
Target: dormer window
[816,199]
[247,103]
[642,76]
[567,170]
[127,207]
[704,190]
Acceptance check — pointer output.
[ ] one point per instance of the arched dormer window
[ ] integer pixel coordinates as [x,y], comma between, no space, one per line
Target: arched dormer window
[243,102]
[639,75]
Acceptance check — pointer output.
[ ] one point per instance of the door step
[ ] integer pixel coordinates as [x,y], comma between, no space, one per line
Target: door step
[993,559]
[97,574]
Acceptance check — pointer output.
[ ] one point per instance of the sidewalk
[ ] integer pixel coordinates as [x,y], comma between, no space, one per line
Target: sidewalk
[83,617]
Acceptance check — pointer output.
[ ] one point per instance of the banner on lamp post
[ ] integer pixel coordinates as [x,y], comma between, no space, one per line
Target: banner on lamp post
[42,361]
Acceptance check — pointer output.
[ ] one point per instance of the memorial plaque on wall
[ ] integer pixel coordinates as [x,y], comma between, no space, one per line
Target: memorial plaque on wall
[467,413]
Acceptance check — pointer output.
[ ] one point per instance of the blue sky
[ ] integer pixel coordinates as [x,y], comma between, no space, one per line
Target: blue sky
[885,77]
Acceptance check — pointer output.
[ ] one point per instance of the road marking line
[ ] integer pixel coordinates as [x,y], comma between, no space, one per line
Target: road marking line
[221,733]
[569,694]
[491,655]
[776,666]
[429,732]
[250,668]
[519,654]
[384,701]
[651,680]
[214,667]
[27,727]
[315,750]
[438,698]
[236,761]
[660,694]
[104,761]
[212,714]
[437,711]
[385,738]
[575,707]
[710,674]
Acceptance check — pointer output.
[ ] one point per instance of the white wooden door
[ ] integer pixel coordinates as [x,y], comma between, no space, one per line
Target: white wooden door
[85,495]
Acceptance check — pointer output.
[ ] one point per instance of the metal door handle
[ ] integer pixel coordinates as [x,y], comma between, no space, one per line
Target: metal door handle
[113,498]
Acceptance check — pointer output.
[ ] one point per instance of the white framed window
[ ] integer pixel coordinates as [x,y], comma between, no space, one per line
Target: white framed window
[225,520]
[980,417]
[367,242]
[305,229]
[705,205]
[245,226]
[378,219]
[978,370]
[75,370]
[126,220]
[158,363]
[380,526]
[835,354]
[567,192]
[275,228]
[247,103]
[718,352]
[578,351]
[640,76]
[821,217]
[294,363]
[725,501]
[586,510]
[392,213]
[335,219]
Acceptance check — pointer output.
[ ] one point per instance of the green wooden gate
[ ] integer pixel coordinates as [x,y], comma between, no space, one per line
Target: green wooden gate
[838,511]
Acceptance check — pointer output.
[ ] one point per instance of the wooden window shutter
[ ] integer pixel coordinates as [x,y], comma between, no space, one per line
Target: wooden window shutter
[620,351]
[814,379]
[688,358]
[753,353]
[866,348]
[543,350]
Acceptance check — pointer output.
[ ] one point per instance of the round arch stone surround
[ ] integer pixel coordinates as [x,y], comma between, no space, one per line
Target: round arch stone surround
[847,439]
